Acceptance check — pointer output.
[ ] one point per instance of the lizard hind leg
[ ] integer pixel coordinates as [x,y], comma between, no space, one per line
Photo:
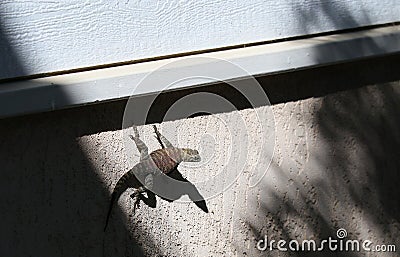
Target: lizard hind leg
[138,196]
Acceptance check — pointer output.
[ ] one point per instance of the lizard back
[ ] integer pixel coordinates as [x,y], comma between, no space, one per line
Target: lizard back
[166,159]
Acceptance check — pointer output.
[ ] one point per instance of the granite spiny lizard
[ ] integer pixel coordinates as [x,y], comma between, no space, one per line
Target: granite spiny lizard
[157,162]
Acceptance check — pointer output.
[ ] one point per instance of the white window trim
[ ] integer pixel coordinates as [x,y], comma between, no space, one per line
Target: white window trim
[64,91]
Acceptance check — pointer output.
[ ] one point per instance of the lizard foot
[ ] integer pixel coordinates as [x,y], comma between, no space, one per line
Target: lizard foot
[136,197]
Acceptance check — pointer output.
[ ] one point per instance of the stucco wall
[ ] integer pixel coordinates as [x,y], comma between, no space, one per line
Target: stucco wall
[335,165]
[46,36]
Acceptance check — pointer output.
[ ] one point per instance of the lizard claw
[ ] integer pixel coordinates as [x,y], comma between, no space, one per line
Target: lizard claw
[135,130]
[156,130]
[133,138]
[136,204]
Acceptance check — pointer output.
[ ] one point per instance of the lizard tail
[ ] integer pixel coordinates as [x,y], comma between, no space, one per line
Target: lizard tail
[120,187]
[113,197]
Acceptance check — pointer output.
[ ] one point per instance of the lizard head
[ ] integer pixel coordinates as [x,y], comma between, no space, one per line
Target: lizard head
[190,155]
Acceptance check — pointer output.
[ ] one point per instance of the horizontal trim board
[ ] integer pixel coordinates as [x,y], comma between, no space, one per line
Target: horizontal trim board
[64,91]
[202,51]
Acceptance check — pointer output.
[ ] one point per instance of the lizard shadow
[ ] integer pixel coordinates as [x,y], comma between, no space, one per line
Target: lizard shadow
[171,193]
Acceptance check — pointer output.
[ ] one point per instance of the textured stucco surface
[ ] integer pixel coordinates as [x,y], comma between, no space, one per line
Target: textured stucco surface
[335,165]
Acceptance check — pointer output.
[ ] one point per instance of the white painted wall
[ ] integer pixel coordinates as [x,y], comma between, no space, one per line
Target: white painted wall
[45,36]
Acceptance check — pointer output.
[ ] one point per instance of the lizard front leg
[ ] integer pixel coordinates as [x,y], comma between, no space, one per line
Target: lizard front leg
[141,146]
[144,153]
[161,139]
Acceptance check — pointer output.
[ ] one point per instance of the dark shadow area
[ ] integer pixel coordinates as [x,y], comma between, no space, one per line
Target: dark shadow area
[280,88]
[308,16]
[370,117]
[174,192]
[359,174]
[186,188]
[356,151]
[53,201]
[10,65]
[297,218]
